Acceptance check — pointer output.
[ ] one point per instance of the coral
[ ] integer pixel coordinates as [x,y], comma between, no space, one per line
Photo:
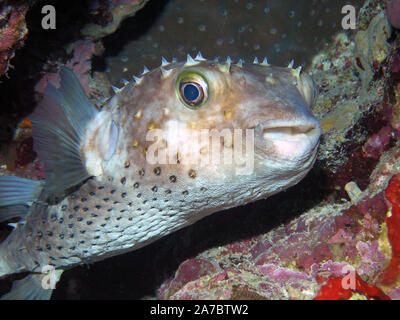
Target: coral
[334,290]
[80,63]
[372,48]
[13,32]
[393,13]
[113,14]
[390,274]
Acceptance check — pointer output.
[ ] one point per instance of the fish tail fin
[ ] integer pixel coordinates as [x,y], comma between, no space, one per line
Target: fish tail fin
[59,124]
[16,195]
[34,287]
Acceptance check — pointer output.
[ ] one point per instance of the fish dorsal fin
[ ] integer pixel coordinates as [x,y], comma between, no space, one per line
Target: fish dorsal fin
[59,124]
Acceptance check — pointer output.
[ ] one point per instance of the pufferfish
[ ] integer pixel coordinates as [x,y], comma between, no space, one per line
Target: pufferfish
[146,163]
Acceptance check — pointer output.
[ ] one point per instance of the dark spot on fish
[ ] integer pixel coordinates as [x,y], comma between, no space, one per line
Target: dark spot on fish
[119,218]
[96,237]
[39,249]
[108,218]
[85,209]
[72,248]
[110,209]
[92,193]
[79,219]
[100,187]
[130,218]
[123,180]
[71,235]
[48,247]
[130,204]
[192,173]
[203,189]
[73,196]
[157,171]
[123,195]
[185,192]
[141,172]
[136,185]
[94,215]
[71,216]
[115,202]
[98,207]
[144,201]
[39,234]
[112,191]
[154,189]
[59,247]
[53,217]
[63,208]
[103,225]
[49,233]
[76,208]
[122,211]
[154,199]
[70,225]
[52,258]
[172,178]
[62,236]
[168,191]
[82,241]
[83,199]
[106,199]
[139,195]
[127,163]
[82,231]
[89,222]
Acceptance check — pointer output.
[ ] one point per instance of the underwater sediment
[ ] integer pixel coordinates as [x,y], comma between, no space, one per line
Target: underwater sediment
[294,245]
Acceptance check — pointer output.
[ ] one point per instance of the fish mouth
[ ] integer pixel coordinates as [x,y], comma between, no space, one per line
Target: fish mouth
[290,139]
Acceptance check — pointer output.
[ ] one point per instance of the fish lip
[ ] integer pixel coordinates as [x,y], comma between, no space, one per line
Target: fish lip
[288,130]
[291,140]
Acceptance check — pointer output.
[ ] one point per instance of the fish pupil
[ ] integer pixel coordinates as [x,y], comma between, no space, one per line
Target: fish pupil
[191,92]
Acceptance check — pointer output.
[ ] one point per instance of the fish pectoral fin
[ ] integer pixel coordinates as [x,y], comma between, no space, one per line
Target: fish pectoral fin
[34,287]
[16,194]
[59,125]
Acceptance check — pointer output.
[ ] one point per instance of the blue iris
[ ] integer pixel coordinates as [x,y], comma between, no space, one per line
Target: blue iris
[191,92]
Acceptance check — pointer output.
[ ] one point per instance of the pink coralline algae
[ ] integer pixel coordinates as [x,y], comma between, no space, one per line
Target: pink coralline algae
[83,51]
[393,12]
[13,32]
[293,261]
[378,142]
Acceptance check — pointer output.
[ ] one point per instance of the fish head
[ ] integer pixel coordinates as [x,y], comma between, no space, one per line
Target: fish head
[238,131]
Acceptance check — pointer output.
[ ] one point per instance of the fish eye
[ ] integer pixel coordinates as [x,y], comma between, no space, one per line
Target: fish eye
[192,89]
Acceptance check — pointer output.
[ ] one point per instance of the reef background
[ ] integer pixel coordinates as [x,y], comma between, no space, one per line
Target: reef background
[291,246]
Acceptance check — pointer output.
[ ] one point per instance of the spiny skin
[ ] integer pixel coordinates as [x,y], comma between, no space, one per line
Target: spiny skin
[129,202]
